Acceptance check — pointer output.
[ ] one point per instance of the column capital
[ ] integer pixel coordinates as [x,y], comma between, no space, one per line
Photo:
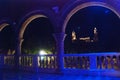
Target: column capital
[59,37]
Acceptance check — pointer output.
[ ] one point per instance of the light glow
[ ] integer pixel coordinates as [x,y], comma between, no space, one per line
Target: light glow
[42,54]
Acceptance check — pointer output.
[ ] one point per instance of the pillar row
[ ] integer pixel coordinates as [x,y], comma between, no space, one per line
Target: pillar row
[59,38]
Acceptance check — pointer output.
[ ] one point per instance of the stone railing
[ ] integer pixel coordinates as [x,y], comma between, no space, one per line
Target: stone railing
[9,60]
[92,61]
[26,60]
[43,63]
[48,63]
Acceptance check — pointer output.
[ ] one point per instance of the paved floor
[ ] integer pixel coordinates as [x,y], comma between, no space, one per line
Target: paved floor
[8,75]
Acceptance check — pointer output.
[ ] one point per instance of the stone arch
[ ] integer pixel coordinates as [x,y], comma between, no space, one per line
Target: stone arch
[29,18]
[8,24]
[84,5]
[3,24]
[24,25]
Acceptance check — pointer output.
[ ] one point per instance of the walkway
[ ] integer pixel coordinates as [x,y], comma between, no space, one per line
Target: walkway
[5,75]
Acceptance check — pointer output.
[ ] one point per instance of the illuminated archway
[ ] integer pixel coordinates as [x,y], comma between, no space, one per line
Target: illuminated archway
[84,5]
[26,24]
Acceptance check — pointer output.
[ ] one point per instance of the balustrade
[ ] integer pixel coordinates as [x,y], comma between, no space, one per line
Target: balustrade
[9,60]
[97,61]
[78,62]
[47,61]
[26,61]
[108,61]
[92,61]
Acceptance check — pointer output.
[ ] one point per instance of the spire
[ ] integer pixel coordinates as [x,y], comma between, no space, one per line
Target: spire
[73,36]
[95,38]
[95,30]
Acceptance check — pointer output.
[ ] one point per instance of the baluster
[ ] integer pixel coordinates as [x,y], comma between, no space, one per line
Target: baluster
[80,62]
[31,61]
[106,63]
[46,61]
[72,62]
[73,65]
[98,62]
[55,62]
[114,59]
[45,66]
[50,61]
[64,62]
[84,62]
[24,60]
[109,62]
[68,62]
[118,62]
[88,63]
[77,62]
[40,61]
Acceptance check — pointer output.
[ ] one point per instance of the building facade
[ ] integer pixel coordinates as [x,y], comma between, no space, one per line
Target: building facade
[20,13]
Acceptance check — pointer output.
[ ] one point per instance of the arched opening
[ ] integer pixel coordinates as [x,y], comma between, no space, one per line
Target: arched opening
[38,36]
[93,29]
[7,39]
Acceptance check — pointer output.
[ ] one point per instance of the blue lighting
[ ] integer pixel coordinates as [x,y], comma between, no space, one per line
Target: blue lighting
[34,76]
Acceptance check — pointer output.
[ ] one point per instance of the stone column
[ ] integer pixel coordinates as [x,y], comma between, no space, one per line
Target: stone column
[59,38]
[18,52]
[19,42]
